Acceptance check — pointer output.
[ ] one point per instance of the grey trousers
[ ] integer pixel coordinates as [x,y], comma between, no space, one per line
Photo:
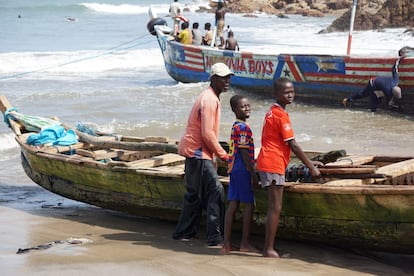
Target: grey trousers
[204,192]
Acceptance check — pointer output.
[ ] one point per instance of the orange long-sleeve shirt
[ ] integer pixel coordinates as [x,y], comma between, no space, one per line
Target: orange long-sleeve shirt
[201,135]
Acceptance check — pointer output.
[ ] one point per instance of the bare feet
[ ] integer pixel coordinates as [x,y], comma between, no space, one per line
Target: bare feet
[225,250]
[270,254]
[345,102]
[249,248]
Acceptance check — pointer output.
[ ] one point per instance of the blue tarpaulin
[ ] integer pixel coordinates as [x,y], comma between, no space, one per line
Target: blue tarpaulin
[56,135]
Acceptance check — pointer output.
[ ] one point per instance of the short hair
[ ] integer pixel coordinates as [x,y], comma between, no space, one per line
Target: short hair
[184,25]
[207,25]
[235,100]
[195,25]
[280,84]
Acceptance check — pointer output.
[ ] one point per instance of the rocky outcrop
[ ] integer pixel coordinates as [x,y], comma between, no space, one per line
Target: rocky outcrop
[392,13]
[303,7]
[371,14]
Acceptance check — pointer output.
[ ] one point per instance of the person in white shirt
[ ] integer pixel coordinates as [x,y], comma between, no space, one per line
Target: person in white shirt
[175,12]
[197,35]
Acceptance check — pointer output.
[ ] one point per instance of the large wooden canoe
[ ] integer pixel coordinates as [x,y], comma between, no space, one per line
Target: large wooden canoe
[362,201]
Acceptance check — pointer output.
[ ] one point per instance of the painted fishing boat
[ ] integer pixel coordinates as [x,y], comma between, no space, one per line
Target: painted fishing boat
[319,79]
[360,202]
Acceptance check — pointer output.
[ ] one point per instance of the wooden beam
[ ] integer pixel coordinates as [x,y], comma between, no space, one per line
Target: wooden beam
[156,161]
[354,160]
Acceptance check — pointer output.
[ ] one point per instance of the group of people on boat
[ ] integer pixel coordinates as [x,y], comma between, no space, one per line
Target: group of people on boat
[185,35]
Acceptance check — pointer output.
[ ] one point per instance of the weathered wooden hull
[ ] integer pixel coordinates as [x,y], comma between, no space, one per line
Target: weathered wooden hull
[372,217]
[321,79]
[121,190]
[146,178]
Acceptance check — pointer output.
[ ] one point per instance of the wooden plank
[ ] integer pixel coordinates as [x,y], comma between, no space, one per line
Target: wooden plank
[129,156]
[326,170]
[354,176]
[163,171]
[354,160]
[399,173]
[156,161]
[86,153]
[156,139]
[99,154]
[60,149]
[132,139]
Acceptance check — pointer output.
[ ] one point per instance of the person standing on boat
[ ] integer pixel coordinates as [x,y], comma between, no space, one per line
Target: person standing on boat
[175,12]
[278,140]
[197,36]
[220,14]
[379,88]
[200,146]
[243,178]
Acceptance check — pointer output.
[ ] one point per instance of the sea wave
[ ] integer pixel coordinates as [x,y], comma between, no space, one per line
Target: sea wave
[77,62]
[161,9]
[31,7]
[7,142]
[115,9]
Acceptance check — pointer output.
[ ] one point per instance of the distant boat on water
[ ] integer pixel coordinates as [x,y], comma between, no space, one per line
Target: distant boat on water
[321,79]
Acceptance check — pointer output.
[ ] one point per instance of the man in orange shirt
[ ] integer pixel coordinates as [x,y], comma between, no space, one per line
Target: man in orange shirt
[278,139]
[200,146]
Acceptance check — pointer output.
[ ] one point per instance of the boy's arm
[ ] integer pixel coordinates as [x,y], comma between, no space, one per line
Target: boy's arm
[248,164]
[297,150]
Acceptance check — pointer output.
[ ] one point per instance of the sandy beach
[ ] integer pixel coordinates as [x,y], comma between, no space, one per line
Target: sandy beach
[126,245]
[105,68]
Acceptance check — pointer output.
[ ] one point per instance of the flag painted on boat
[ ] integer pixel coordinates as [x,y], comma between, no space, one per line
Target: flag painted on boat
[188,57]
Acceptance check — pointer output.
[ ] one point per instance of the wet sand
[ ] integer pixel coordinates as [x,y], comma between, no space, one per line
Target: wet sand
[128,245]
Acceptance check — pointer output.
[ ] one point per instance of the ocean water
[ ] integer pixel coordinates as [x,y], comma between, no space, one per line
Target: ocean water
[95,62]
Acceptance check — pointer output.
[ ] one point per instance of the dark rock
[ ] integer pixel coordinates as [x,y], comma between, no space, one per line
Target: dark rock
[371,14]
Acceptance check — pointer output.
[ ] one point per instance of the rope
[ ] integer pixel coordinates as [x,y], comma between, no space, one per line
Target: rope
[7,114]
[107,52]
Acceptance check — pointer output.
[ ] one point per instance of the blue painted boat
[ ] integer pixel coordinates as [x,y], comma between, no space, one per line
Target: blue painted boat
[321,79]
